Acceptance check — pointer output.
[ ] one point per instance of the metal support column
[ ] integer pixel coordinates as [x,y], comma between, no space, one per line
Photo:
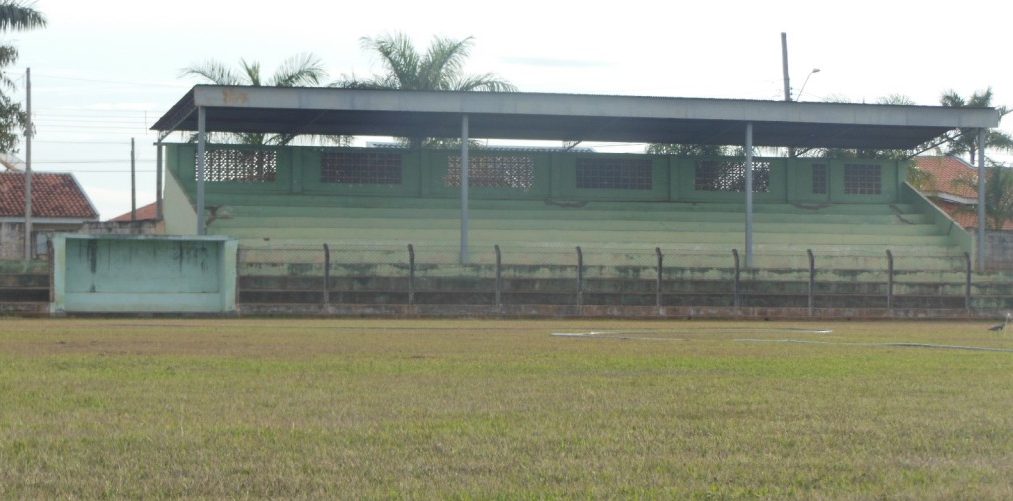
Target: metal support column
[464,189]
[981,200]
[749,195]
[133,182]
[158,180]
[201,166]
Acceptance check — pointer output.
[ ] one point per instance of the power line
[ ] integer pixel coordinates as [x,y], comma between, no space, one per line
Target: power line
[111,161]
[120,82]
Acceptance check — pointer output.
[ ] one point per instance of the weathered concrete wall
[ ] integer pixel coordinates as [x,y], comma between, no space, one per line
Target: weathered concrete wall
[12,243]
[999,250]
[123,228]
[115,273]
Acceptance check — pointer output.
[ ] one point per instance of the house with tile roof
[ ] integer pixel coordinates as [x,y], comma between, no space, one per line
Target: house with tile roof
[951,185]
[59,204]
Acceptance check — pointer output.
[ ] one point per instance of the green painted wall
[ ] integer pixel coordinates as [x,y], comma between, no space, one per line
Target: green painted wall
[119,273]
[423,174]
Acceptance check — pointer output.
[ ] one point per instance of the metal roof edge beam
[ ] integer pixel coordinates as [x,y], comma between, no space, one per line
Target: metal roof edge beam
[576,105]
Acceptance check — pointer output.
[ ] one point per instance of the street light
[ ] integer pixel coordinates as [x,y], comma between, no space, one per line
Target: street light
[799,96]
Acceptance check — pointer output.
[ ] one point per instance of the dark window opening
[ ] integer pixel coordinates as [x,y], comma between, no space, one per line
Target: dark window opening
[615,173]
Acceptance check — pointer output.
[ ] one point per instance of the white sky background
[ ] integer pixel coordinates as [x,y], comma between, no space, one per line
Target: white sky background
[104,71]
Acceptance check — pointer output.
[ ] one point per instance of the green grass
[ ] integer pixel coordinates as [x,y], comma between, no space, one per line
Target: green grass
[478,409]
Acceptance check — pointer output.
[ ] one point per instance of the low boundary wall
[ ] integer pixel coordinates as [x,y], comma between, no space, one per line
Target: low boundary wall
[143,274]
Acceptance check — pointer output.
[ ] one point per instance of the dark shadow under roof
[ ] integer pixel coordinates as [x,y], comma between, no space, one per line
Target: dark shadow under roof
[538,116]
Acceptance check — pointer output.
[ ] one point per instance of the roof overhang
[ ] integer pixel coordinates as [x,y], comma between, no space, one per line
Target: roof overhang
[515,115]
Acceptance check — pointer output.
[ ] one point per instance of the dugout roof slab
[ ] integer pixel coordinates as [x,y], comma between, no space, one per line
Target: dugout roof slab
[543,116]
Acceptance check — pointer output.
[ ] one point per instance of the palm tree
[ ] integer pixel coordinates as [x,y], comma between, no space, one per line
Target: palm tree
[440,68]
[302,70]
[17,16]
[998,194]
[967,140]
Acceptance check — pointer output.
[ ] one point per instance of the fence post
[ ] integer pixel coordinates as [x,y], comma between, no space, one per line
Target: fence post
[499,277]
[812,280]
[50,265]
[967,284]
[735,286]
[889,283]
[657,283]
[411,274]
[327,275]
[580,277]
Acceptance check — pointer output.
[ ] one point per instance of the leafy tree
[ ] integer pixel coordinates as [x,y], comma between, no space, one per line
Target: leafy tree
[998,194]
[687,150]
[303,70]
[18,16]
[967,141]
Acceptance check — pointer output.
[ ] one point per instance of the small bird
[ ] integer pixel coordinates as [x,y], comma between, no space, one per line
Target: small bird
[1000,327]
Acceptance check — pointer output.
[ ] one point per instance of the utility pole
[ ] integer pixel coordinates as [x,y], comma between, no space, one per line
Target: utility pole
[787,83]
[784,66]
[28,168]
[133,184]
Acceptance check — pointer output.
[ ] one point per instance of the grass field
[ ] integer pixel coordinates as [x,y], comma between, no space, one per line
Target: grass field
[477,409]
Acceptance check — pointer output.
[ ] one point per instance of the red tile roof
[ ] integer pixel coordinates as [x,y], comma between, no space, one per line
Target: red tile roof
[965,215]
[53,196]
[944,171]
[146,213]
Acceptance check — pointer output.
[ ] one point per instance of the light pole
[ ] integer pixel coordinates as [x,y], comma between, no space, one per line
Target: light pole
[811,73]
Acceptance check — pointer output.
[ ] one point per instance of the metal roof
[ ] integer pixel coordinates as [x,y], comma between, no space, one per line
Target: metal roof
[519,115]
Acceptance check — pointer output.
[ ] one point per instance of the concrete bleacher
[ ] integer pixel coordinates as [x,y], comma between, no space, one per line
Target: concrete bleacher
[283,222]
[692,235]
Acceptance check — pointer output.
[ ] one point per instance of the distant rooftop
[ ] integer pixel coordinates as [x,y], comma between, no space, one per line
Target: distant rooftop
[54,195]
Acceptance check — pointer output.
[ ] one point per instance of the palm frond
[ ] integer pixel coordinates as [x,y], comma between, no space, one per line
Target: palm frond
[252,71]
[298,71]
[8,55]
[18,15]
[213,72]
[486,82]
[951,98]
[443,62]
[399,56]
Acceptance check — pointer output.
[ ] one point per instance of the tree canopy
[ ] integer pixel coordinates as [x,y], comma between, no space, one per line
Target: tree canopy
[967,141]
[15,15]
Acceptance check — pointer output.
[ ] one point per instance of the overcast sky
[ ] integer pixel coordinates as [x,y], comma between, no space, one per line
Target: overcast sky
[103,71]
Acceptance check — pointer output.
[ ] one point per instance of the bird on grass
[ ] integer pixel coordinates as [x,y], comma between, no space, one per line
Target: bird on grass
[1000,327]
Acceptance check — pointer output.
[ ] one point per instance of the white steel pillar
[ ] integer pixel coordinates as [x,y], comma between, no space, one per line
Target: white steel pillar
[749,195]
[981,199]
[464,189]
[201,166]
